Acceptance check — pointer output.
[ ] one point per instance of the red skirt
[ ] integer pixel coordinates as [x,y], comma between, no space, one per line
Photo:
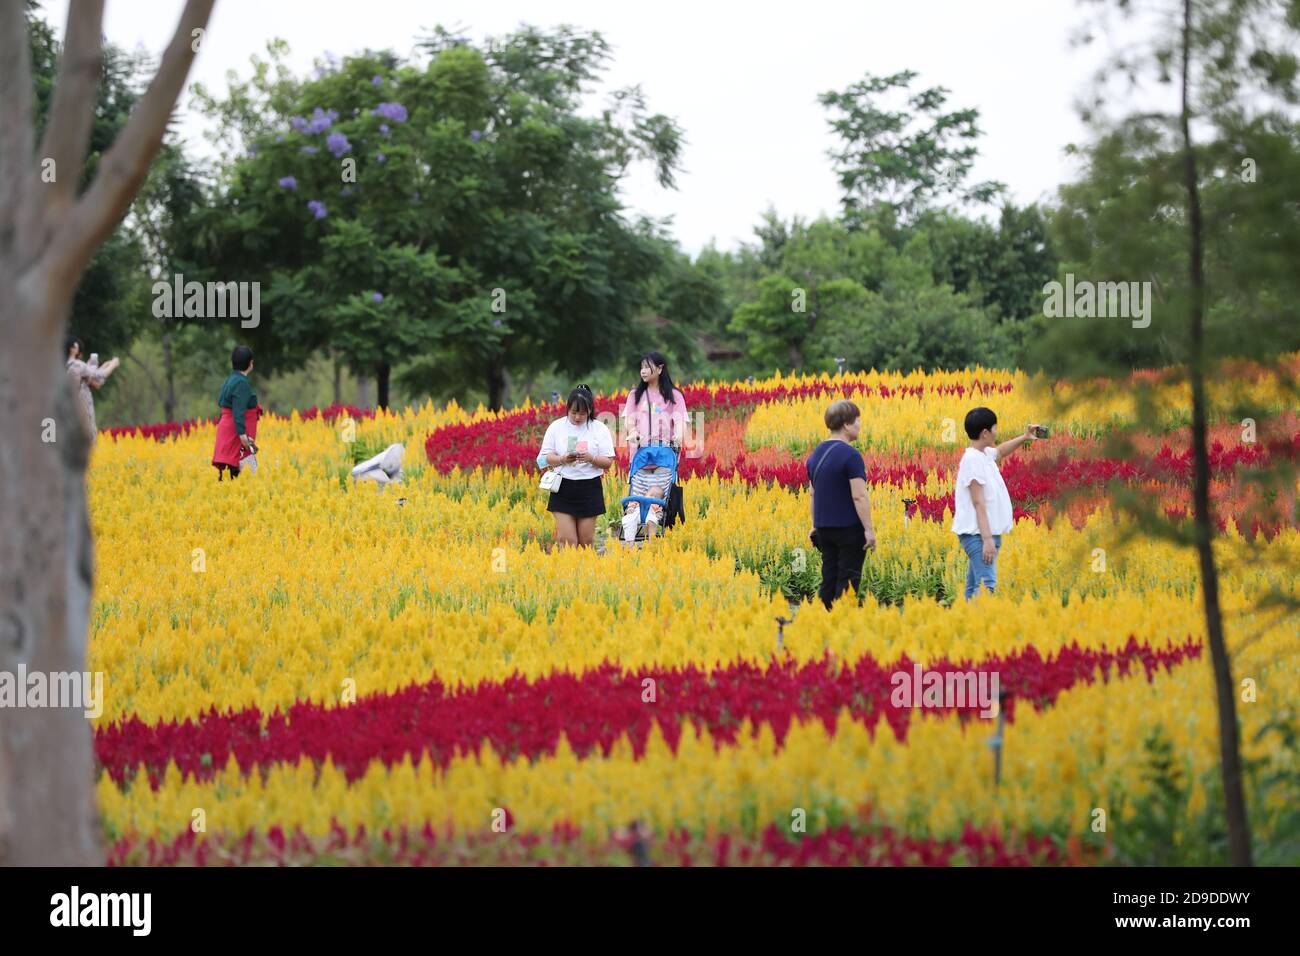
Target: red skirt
[229,450]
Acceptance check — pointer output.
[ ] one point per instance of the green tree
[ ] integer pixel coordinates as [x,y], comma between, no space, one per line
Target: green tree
[786,324]
[803,279]
[165,216]
[906,157]
[687,300]
[842,293]
[1003,267]
[1183,210]
[103,301]
[483,234]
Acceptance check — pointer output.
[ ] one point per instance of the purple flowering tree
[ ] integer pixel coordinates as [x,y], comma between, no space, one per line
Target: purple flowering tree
[482,233]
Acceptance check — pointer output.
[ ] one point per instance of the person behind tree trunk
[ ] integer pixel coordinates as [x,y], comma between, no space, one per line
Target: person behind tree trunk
[841,509]
[237,428]
[654,414]
[87,375]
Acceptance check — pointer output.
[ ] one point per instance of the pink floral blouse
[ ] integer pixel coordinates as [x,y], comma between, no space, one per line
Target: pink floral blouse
[83,375]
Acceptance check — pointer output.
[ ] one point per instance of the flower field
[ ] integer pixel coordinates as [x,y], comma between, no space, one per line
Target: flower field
[298,670]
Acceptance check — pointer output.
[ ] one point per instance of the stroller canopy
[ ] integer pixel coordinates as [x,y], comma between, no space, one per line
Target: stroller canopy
[654,456]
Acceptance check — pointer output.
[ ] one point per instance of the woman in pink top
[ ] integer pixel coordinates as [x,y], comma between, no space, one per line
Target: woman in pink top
[654,414]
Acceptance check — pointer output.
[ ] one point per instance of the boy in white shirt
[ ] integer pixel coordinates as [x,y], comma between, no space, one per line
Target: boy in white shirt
[981,512]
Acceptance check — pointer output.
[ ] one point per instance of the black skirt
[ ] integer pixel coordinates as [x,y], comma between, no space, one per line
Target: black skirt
[580,497]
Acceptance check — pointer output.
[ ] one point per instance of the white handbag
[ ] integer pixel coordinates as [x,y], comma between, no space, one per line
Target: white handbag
[550,481]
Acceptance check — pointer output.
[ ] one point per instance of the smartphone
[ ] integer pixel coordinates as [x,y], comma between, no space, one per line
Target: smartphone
[573,444]
[1041,431]
[580,447]
[94,358]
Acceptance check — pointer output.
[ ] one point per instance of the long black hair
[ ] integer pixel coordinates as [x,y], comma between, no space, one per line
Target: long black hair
[665,380]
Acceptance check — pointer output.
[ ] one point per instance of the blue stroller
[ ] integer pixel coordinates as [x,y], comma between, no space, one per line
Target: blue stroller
[650,488]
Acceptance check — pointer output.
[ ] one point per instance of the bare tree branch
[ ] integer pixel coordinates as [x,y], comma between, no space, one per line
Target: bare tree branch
[72,111]
[126,164]
[15,120]
[149,375]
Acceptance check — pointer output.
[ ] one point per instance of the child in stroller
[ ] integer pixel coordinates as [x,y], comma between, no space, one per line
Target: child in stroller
[653,474]
[654,421]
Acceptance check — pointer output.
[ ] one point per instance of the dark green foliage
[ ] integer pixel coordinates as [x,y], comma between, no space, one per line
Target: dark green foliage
[836,292]
[488,219]
[1165,830]
[105,309]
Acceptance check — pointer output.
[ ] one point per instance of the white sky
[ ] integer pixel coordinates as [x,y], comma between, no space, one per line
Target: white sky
[741,79]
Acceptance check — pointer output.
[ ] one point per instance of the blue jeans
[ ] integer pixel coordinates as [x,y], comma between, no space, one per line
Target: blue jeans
[978,572]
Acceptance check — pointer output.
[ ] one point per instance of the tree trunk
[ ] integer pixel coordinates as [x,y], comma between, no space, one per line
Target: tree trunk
[48,232]
[169,374]
[338,381]
[498,384]
[382,371]
[47,806]
[1225,691]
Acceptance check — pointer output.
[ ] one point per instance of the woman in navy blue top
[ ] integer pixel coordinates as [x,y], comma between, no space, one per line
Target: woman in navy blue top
[841,508]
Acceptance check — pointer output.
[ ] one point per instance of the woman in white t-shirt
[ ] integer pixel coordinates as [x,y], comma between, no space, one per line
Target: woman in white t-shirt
[580,449]
[981,510]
